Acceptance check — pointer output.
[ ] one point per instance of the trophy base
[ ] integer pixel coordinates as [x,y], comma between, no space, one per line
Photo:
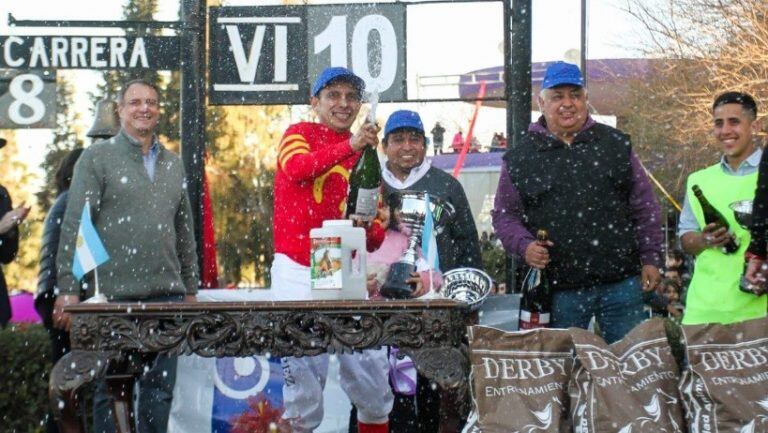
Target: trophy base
[96,299]
[395,286]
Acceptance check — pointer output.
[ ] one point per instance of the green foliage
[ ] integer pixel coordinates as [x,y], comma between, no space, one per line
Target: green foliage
[25,357]
[168,83]
[15,175]
[64,141]
[494,262]
[241,175]
[170,121]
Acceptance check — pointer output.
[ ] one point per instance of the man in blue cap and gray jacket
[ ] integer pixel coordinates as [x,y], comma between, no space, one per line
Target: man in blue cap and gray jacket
[581,181]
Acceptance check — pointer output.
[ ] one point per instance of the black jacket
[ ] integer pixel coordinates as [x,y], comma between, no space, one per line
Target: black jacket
[580,194]
[46,277]
[458,245]
[9,246]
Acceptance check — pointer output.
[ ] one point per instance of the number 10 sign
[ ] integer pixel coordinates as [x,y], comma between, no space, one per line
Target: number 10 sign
[272,54]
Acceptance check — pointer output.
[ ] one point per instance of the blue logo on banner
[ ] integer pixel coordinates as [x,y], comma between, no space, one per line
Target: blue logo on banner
[239,384]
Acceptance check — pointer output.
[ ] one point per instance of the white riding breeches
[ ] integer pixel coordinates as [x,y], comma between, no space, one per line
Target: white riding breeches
[364,376]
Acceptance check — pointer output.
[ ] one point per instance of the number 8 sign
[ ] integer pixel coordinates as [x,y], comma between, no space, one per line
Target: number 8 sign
[369,39]
[27,100]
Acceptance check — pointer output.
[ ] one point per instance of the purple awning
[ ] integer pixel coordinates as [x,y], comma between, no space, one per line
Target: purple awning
[473,161]
[606,79]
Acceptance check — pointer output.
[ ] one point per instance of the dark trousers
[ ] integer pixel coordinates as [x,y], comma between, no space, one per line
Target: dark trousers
[154,399]
[155,393]
[59,348]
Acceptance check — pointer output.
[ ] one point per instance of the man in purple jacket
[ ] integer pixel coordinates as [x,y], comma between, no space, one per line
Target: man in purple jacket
[580,180]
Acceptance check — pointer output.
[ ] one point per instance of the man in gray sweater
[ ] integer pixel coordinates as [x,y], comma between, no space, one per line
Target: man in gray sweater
[140,208]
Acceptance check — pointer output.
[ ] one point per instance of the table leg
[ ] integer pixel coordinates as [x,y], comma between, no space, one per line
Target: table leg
[120,389]
[449,368]
[453,409]
[70,373]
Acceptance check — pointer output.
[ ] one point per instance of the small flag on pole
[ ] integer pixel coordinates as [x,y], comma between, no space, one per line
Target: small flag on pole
[429,240]
[89,251]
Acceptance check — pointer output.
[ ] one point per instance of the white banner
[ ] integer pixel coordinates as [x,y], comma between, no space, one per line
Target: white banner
[242,395]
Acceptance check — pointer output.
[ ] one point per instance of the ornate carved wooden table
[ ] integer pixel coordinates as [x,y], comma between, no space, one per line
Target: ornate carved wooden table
[107,339]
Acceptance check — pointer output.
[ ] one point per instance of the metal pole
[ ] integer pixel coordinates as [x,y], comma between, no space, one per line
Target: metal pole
[193,109]
[517,79]
[583,48]
[517,68]
[14,22]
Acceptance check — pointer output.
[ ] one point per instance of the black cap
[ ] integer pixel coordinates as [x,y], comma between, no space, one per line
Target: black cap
[3,142]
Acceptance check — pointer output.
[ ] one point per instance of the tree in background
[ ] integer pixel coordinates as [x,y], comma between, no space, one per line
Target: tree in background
[166,81]
[18,178]
[64,141]
[241,170]
[707,47]
[15,175]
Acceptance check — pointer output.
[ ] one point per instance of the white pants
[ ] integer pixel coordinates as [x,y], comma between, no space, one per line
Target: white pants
[364,376]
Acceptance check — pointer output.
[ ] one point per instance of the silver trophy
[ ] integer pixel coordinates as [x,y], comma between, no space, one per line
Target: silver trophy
[410,209]
[742,211]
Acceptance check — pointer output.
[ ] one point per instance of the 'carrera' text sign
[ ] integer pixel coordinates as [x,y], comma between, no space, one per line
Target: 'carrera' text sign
[89,52]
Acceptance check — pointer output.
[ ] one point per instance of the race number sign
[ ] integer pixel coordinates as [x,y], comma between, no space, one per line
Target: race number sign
[272,54]
[368,39]
[258,55]
[27,99]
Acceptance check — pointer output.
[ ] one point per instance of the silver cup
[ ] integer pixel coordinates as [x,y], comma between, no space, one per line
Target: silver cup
[468,285]
[410,209]
[742,211]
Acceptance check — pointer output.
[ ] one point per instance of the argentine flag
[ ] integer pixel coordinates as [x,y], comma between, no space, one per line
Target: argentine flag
[429,240]
[89,251]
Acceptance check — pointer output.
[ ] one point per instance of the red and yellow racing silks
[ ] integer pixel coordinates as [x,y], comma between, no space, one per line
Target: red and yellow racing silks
[313,168]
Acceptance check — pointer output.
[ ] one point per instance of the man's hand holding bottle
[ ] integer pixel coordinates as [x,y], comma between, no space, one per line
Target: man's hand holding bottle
[650,277]
[367,135]
[537,254]
[715,236]
[364,204]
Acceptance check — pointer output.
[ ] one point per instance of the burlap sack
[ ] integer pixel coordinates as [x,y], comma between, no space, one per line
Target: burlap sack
[519,380]
[627,387]
[725,388]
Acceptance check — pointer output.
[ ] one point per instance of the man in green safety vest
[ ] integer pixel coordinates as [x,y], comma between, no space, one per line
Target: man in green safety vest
[714,294]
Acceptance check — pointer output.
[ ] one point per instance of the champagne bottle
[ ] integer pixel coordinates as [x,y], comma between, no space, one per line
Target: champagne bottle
[712,215]
[364,186]
[536,303]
